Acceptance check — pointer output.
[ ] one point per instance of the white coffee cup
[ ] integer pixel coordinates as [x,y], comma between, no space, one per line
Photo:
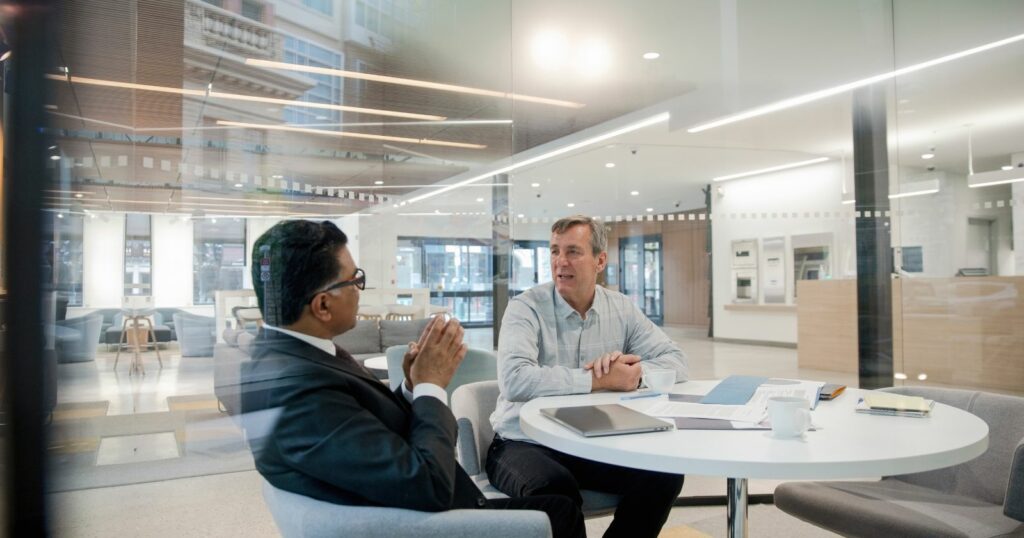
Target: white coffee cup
[660,380]
[789,415]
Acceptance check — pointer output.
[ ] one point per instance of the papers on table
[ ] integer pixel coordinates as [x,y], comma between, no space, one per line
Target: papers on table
[668,409]
[753,412]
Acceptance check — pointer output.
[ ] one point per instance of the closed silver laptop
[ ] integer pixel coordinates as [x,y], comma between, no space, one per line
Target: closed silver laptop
[601,420]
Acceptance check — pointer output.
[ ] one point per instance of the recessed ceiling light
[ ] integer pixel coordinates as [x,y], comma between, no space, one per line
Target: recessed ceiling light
[479,199]
[60,215]
[213,221]
[238,185]
[276,176]
[1008,167]
[266,201]
[321,117]
[650,209]
[634,193]
[609,165]
[378,182]
[520,215]
[570,204]
[535,185]
[51,148]
[54,157]
[927,155]
[651,55]
[79,195]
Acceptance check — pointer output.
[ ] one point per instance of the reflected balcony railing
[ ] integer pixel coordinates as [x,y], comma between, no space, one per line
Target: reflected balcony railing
[225,30]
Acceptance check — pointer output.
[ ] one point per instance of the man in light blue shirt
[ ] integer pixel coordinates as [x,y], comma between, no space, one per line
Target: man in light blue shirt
[571,336]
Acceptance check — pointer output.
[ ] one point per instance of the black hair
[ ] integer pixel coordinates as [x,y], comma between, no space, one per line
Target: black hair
[290,262]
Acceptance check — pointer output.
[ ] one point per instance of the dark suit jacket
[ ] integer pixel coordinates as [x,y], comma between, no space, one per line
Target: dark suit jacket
[342,436]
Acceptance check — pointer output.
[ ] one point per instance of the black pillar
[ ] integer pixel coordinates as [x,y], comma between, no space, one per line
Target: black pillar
[501,245]
[24,177]
[874,262]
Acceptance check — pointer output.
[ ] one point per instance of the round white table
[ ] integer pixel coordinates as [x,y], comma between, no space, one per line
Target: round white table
[845,445]
[377,363]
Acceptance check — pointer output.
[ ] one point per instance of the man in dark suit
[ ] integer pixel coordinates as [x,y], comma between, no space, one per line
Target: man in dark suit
[337,433]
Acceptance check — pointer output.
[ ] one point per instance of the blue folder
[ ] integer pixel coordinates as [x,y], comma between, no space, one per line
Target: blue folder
[734,390]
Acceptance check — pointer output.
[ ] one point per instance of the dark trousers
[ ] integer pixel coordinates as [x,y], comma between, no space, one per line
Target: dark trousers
[565,516]
[520,469]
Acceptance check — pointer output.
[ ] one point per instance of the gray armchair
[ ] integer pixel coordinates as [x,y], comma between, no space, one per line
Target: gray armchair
[196,334]
[472,405]
[981,498]
[76,338]
[300,516]
[478,365]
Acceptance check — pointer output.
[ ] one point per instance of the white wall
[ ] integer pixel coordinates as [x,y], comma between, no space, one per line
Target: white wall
[103,261]
[173,239]
[753,208]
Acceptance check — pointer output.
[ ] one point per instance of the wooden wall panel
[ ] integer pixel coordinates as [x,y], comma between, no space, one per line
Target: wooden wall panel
[827,325]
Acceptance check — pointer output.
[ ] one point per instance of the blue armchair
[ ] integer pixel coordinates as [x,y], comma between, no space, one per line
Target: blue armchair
[196,334]
[77,338]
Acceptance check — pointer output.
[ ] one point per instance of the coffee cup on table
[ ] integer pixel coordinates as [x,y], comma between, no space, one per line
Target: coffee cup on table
[789,415]
[660,380]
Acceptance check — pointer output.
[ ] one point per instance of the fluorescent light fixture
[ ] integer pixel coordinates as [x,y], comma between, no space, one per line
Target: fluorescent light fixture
[657,118]
[239,97]
[850,201]
[609,165]
[651,55]
[238,185]
[412,82]
[535,185]
[771,169]
[900,375]
[995,177]
[843,88]
[349,134]
[1008,167]
[918,188]
[479,199]
[519,216]
[378,182]
[634,193]
[570,204]
[650,209]
[927,156]
[54,157]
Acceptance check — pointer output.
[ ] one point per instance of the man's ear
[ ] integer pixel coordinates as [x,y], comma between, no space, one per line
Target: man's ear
[602,260]
[318,307]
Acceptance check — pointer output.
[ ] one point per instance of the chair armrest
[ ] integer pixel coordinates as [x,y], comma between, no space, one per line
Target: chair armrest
[1013,505]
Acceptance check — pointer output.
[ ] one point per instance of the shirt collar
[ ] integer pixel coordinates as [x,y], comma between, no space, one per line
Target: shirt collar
[321,343]
[564,310]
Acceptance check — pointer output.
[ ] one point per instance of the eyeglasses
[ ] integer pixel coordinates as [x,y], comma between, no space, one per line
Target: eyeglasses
[359,281]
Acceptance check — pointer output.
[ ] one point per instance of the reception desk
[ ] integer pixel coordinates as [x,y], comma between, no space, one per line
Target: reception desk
[966,332]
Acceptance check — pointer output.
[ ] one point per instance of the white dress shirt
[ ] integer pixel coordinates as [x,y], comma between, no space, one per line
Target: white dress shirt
[421,389]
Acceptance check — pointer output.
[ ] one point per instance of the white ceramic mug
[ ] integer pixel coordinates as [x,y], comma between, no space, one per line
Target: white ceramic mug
[660,380]
[789,415]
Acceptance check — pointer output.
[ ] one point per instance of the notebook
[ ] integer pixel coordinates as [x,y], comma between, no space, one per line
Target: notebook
[601,420]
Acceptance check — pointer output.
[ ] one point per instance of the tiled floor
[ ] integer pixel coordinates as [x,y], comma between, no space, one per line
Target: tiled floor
[229,504]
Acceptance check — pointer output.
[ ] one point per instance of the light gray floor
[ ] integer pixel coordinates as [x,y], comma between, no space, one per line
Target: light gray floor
[230,504]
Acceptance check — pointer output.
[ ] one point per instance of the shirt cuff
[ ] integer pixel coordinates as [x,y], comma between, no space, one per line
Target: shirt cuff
[643,376]
[428,389]
[582,381]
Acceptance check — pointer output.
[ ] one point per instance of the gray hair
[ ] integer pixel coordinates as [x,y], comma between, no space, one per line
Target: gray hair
[598,237]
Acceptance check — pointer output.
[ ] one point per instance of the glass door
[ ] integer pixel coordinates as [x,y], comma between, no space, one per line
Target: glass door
[641,277]
[531,265]
[458,272]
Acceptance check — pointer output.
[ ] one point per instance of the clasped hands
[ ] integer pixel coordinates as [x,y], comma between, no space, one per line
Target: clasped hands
[615,371]
[437,354]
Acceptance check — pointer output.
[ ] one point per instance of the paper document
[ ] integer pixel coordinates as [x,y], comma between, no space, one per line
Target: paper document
[665,408]
[801,389]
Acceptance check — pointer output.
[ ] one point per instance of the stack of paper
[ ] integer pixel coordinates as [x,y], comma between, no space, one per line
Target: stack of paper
[887,403]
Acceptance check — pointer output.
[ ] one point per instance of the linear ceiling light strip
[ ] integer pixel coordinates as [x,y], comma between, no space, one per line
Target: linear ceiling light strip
[829,92]
[657,118]
[413,82]
[346,134]
[240,97]
[771,169]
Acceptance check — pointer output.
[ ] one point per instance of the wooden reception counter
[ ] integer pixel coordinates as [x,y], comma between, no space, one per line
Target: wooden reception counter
[957,331]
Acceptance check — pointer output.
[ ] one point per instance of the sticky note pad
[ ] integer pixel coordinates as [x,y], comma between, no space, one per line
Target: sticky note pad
[734,390]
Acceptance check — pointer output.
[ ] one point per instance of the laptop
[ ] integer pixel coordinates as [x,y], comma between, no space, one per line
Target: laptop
[601,420]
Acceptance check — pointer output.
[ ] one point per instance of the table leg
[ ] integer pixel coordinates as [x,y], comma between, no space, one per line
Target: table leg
[736,493]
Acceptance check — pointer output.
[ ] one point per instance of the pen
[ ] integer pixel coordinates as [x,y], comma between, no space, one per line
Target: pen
[642,395]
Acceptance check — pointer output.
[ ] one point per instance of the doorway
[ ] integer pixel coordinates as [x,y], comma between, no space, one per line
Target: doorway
[641,274]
